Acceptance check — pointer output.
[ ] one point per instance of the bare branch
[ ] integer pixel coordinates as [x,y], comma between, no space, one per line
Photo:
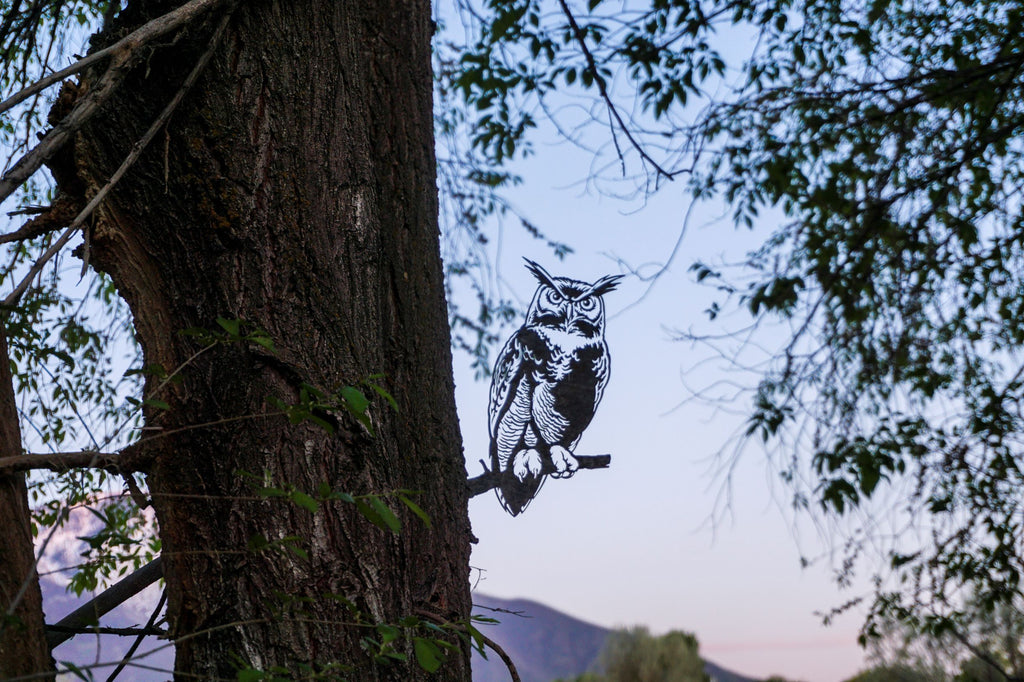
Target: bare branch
[96,630]
[492,479]
[130,43]
[121,62]
[127,461]
[89,613]
[148,630]
[602,88]
[50,219]
[130,160]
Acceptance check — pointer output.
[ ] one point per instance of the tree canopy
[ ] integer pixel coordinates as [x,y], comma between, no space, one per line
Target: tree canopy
[635,655]
[881,142]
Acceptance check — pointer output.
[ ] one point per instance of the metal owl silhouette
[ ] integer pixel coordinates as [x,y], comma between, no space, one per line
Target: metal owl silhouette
[547,383]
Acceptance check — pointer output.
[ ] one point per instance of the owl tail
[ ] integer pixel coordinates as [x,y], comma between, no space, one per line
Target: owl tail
[515,495]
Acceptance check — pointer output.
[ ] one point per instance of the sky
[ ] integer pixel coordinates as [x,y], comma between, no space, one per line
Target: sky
[641,542]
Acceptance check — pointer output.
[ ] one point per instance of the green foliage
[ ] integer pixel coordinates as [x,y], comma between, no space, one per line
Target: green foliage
[472,208]
[317,406]
[986,643]
[884,141]
[885,133]
[525,55]
[634,655]
[371,505]
[895,673]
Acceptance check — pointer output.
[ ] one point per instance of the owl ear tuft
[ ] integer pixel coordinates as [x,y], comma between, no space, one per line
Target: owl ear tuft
[603,286]
[541,274]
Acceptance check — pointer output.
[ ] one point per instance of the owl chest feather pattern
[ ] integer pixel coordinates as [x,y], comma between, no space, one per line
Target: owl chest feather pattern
[568,376]
[550,386]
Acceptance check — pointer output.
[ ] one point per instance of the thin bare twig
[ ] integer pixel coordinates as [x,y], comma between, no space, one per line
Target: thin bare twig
[48,219]
[602,88]
[148,630]
[117,632]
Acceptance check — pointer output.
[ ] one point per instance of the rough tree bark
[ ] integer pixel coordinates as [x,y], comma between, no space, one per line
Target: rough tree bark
[294,189]
[23,647]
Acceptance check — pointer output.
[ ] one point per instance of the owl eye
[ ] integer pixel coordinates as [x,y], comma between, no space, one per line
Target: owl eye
[554,297]
[587,304]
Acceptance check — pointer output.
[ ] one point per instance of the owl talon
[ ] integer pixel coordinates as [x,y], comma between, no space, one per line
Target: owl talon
[527,462]
[565,464]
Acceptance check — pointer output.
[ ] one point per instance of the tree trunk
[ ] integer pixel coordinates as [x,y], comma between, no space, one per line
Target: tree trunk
[23,648]
[294,190]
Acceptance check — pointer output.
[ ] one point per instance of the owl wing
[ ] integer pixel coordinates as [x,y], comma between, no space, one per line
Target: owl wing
[601,370]
[509,406]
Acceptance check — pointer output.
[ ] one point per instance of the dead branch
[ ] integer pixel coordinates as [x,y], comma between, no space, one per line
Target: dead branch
[50,219]
[96,630]
[492,479]
[127,461]
[150,626]
[129,160]
[89,613]
[130,43]
[121,62]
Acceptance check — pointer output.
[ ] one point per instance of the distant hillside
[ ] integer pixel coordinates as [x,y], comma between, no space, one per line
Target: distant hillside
[546,644]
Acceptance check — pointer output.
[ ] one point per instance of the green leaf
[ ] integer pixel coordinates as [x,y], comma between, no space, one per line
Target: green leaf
[232,327]
[478,640]
[305,501]
[355,400]
[428,655]
[339,495]
[76,671]
[384,394]
[271,492]
[264,340]
[378,513]
[415,509]
[257,542]
[388,633]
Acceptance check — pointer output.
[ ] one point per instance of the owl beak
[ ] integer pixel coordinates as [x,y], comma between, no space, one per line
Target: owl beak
[579,323]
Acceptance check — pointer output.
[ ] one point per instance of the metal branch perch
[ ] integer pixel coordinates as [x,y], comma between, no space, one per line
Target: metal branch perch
[491,479]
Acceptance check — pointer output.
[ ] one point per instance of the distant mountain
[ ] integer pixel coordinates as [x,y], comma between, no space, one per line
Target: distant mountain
[546,644]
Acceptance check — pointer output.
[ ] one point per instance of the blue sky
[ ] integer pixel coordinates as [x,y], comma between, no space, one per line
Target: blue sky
[640,543]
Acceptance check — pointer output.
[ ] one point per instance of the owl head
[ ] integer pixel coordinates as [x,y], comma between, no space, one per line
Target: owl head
[567,304]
